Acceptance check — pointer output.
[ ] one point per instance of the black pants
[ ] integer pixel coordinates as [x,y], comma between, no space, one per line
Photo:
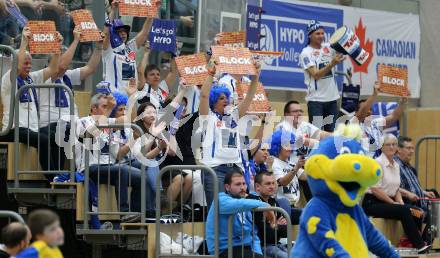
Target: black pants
[36,140]
[58,154]
[238,252]
[319,111]
[411,225]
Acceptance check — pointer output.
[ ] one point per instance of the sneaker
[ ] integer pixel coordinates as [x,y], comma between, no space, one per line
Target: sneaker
[423,249]
[131,218]
[106,226]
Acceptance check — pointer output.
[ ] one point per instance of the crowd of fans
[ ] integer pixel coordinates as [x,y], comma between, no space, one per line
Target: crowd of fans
[200,124]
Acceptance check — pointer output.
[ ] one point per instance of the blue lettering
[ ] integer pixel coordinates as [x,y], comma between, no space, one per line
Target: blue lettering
[396,48]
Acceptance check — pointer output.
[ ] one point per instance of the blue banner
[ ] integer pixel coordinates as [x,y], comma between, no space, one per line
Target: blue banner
[284,29]
[163,36]
[253,27]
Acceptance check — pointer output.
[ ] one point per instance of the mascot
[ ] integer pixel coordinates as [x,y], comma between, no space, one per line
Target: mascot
[333,224]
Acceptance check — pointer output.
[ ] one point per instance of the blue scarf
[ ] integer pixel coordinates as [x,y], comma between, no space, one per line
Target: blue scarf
[25,96]
[60,94]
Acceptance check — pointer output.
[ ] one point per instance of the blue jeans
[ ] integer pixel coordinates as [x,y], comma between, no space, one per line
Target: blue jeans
[272,251]
[150,187]
[208,181]
[321,110]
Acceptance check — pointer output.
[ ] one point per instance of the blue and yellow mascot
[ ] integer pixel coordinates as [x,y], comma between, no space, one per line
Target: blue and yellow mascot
[333,224]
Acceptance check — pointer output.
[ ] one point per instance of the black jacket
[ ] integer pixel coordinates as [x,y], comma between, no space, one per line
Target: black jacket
[280,232]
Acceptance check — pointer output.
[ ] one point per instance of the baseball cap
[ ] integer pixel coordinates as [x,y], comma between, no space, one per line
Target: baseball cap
[313,26]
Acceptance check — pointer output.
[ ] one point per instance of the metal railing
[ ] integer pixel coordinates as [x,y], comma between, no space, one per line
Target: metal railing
[262,242]
[113,172]
[190,220]
[9,50]
[50,139]
[428,166]
[11,214]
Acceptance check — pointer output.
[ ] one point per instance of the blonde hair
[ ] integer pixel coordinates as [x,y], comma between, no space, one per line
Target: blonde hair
[352,131]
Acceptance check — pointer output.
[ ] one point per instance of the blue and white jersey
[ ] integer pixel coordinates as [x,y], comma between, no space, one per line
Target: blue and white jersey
[324,89]
[120,65]
[291,191]
[220,139]
[372,134]
[55,103]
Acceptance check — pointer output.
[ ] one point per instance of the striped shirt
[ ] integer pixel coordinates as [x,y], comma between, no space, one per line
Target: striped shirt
[410,182]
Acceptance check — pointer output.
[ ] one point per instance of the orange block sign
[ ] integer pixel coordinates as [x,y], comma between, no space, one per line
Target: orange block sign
[89,30]
[233,60]
[138,8]
[260,103]
[393,80]
[232,39]
[44,38]
[192,68]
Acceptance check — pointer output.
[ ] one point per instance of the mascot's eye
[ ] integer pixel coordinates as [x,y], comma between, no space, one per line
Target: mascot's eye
[344,150]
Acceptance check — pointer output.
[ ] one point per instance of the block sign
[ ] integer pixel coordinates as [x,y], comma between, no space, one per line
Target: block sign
[233,60]
[43,38]
[232,39]
[163,35]
[89,30]
[393,80]
[138,8]
[260,102]
[192,68]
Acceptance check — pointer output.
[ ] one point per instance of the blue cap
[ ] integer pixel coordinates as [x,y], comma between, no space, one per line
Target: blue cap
[119,24]
[313,26]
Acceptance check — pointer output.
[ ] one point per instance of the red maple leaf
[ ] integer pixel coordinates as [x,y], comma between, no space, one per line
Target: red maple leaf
[367,46]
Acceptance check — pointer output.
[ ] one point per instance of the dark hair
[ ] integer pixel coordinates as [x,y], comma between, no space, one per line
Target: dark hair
[402,139]
[286,107]
[230,175]
[359,104]
[139,112]
[151,67]
[40,219]
[259,177]
[13,234]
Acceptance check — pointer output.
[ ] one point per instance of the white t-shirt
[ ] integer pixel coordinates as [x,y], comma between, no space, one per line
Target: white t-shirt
[50,109]
[122,137]
[104,150]
[292,191]
[304,130]
[27,102]
[120,65]
[372,135]
[221,139]
[156,97]
[324,89]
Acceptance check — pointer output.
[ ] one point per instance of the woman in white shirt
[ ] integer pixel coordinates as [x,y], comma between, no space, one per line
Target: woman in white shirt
[219,123]
[385,201]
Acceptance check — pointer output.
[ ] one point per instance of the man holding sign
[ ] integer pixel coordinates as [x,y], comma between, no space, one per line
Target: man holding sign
[119,55]
[28,105]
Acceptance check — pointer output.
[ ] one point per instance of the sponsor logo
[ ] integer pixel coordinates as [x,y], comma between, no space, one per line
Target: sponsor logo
[393,81]
[43,37]
[196,69]
[138,2]
[235,60]
[88,26]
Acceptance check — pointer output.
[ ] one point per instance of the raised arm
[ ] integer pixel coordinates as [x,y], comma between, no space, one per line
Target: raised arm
[66,57]
[366,106]
[172,75]
[206,89]
[319,73]
[111,17]
[52,69]
[142,65]
[22,51]
[397,113]
[142,36]
[244,105]
[92,64]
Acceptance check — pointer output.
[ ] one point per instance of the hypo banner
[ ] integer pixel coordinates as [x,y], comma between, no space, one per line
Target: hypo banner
[89,31]
[163,35]
[390,38]
[253,27]
[44,38]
